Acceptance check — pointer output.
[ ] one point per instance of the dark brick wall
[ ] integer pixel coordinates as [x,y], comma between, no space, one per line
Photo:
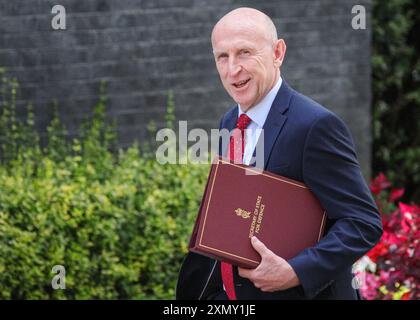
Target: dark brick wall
[143,48]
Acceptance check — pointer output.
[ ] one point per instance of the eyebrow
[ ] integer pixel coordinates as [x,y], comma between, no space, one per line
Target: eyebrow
[218,53]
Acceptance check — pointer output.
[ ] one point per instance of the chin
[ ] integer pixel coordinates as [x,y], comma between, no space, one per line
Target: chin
[244,102]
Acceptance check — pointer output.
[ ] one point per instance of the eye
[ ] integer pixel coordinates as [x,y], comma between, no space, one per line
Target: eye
[245,52]
[222,56]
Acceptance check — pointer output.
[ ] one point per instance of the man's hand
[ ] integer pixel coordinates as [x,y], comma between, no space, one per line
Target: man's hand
[273,273]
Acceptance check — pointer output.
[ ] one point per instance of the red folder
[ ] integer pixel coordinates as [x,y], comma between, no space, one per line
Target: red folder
[240,201]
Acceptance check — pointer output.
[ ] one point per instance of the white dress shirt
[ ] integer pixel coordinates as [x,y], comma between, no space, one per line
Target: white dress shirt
[258,115]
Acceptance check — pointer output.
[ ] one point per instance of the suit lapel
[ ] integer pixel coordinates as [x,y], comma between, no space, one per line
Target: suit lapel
[231,123]
[275,120]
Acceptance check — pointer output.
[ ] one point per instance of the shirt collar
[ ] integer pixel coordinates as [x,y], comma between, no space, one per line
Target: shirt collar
[259,112]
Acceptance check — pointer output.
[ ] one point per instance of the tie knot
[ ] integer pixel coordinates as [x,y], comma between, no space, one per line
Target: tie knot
[243,121]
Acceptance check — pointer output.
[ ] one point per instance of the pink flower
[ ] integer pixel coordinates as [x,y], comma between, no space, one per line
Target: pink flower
[379,183]
[408,217]
[383,276]
[397,255]
[370,289]
[396,194]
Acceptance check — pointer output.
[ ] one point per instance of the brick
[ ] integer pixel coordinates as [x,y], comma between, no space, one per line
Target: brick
[143,48]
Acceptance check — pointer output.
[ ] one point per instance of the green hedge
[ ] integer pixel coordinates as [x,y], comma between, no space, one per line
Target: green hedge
[119,222]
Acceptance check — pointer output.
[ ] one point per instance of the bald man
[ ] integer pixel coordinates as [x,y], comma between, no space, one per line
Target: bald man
[303,141]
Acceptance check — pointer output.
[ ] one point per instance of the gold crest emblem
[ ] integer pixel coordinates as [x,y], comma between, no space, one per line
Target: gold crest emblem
[242,213]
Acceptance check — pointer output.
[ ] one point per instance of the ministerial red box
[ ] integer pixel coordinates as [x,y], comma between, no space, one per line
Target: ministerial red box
[240,201]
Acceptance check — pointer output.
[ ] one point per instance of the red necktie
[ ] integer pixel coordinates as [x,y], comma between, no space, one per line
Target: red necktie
[236,154]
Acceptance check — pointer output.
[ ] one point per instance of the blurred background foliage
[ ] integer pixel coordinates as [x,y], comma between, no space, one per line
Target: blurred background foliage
[396,93]
[117,220]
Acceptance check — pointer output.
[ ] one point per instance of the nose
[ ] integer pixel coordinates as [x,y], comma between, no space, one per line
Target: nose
[233,66]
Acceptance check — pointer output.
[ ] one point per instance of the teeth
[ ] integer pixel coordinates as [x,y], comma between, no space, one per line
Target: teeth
[241,82]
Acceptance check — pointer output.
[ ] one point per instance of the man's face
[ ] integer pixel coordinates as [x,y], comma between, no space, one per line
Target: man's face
[246,62]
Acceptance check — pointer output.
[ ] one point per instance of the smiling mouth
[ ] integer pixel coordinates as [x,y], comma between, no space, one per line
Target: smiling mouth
[241,84]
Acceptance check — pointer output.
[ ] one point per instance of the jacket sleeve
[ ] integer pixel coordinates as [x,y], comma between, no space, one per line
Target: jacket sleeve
[332,173]
[199,279]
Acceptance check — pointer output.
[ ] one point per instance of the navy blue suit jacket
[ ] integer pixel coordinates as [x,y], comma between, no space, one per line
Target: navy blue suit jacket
[306,142]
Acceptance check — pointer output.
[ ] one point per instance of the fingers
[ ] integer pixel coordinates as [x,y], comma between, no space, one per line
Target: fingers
[245,273]
[259,246]
[251,275]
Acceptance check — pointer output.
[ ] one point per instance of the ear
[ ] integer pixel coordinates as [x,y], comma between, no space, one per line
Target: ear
[279,52]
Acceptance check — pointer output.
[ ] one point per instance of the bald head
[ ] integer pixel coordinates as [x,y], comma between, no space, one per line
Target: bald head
[247,19]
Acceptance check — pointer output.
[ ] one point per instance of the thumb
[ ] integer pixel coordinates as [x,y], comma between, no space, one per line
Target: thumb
[259,246]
